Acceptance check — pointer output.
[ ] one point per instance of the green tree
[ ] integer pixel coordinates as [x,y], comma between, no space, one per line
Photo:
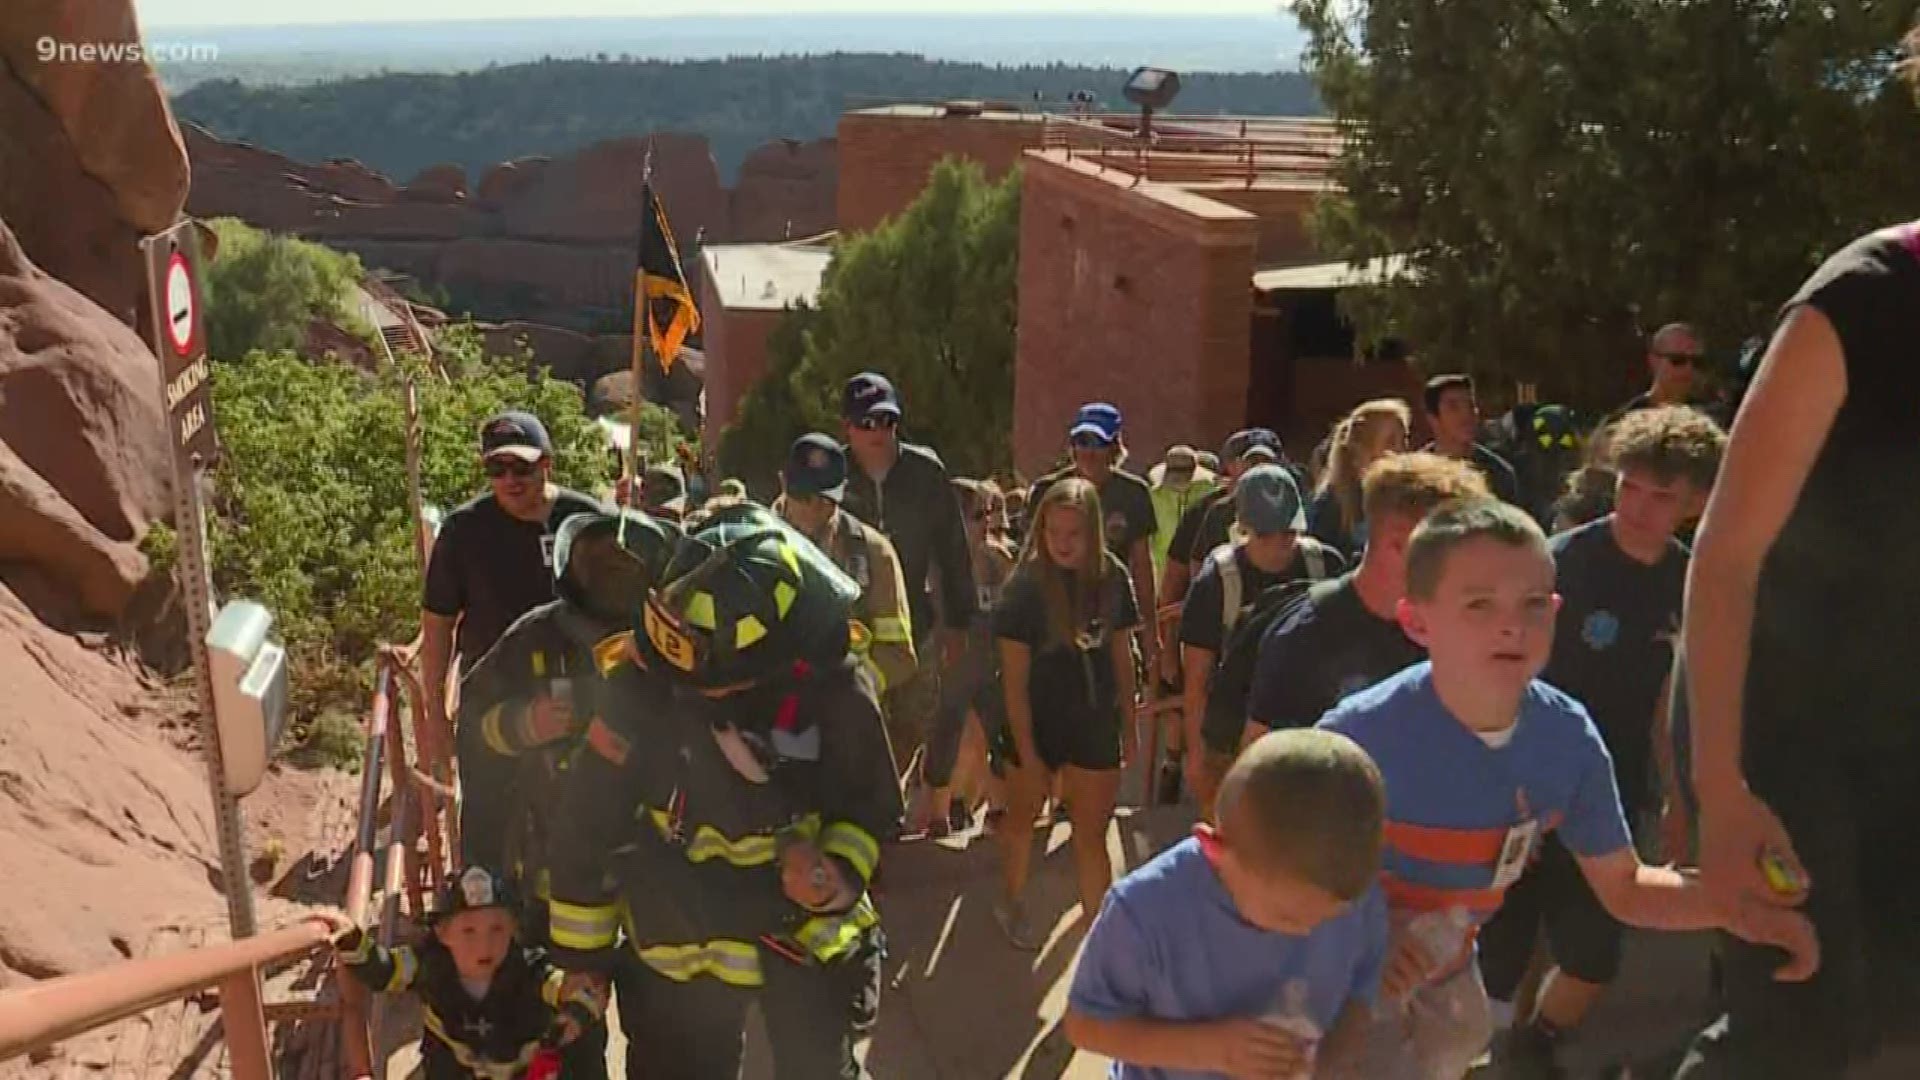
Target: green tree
[310,506]
[928,299]
[1565,175]
[263,290]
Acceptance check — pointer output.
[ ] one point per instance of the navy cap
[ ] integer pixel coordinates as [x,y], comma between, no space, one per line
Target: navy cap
[867,394]
[815,466]
[1251,440]
[520,434]
[1267,501]
[1096,418]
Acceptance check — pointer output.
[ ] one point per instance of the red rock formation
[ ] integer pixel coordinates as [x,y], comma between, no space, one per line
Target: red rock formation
[550,240]
[786,191]
[89,157]
[85,466]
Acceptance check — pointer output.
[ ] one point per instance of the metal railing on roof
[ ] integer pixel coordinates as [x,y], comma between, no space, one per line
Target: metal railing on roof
[1200,150]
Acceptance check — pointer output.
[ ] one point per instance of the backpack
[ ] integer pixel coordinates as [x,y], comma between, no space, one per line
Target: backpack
[1232,680]
[1312,552]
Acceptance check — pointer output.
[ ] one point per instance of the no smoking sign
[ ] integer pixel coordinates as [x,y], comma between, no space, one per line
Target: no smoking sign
[178,338]
[180,311]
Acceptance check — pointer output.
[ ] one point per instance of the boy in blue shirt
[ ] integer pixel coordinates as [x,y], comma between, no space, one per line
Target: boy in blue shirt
[1480,761]
[1252,948]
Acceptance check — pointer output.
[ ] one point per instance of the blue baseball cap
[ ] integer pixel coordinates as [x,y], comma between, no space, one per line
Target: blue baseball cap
[869,394]
[815,466]
[1267,501]
[1098,419]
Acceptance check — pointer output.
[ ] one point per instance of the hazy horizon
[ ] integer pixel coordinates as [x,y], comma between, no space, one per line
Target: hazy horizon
[190,14]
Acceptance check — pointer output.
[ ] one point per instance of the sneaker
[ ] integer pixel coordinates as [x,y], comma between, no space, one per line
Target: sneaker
[1011,915]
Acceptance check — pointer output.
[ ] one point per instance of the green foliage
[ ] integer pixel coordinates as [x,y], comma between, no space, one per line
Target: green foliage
[334,739]
[311,512]
[928,299]
[401,123]
[263,289]
[1566,175]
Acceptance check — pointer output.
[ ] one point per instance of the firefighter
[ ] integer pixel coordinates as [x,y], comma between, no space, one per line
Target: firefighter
[812,484]
[530,696]
[490,1002]
[729,816]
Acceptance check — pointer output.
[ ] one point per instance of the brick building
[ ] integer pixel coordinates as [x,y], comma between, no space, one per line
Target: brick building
[1175,277]
[744,290]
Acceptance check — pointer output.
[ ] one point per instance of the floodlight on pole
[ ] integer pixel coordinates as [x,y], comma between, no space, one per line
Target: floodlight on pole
[1152,89]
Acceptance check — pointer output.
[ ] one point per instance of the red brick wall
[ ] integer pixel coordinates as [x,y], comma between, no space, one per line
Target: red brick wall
[885,160]
[1138,296]
[736,349]
[1283,214]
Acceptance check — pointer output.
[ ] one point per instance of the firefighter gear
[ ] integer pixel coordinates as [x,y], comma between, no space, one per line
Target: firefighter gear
[510,759]
[864,555]
[744,728]
[496,1034]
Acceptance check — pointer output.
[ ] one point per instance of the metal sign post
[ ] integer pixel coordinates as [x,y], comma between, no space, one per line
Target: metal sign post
[176,326]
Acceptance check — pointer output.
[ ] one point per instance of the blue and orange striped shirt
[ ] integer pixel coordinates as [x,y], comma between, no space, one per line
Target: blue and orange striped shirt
[1453,800]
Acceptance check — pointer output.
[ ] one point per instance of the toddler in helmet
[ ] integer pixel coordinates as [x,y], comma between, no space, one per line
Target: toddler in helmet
[491,1006]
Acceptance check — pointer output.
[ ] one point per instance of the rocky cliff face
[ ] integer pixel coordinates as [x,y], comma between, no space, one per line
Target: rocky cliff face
[547,240]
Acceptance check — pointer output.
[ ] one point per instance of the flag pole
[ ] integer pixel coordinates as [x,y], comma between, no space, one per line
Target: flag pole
[642,346]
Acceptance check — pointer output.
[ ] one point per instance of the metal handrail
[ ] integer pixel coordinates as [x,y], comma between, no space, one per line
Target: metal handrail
[38,1016]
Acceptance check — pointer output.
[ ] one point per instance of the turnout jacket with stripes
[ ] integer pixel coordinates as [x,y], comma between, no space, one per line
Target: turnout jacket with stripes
[659,835]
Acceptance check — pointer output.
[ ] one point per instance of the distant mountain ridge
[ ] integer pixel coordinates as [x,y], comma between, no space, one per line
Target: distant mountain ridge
[297,54]
[402,123]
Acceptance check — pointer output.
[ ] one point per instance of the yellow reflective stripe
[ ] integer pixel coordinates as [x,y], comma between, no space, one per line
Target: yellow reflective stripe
[582,927]
[828,936]
[854,844]
[480,1067]
[405,967]
[783,597]
[490,730]
[733,962]
[890,628]
[700,611]
[710,843]
[550,987]
[747,631]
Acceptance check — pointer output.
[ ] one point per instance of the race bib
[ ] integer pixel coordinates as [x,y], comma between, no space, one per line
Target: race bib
[1515,852]
[546,550]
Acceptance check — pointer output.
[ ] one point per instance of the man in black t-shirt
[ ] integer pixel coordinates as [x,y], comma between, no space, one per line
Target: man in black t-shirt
[1327,648]
[1274,549]
[1244,450]
[1621,580]
[1801,648]
[491,564]
[1453,412]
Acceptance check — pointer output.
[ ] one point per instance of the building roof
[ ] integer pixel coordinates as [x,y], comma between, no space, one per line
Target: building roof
[765,277]
[1329,275]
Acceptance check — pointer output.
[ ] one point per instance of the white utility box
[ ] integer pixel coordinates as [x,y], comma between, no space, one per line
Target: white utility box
[249,691]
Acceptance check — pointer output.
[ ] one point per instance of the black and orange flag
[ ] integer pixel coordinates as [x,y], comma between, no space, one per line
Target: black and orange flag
[663,306]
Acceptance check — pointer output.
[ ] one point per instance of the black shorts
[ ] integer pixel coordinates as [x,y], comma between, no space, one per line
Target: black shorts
[1583,940]
[1090,743]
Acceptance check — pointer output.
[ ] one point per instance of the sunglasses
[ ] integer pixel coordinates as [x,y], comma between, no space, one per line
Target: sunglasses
[499,467]
[1682,359]
[876,422]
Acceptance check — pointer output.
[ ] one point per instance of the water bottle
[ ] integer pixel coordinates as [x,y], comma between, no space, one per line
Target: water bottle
[1293,1014]
[1441,935]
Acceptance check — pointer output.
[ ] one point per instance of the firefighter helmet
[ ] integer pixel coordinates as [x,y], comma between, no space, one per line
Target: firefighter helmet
[471,889]
[605,563]
[744,599]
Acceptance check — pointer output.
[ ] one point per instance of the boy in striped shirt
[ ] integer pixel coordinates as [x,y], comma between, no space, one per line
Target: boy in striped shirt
[1480,760]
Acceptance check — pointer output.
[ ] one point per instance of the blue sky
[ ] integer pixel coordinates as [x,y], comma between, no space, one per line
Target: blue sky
[158,13]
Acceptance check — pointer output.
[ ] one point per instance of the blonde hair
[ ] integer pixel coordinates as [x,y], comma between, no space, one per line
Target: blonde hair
[1351,436]
[1413,485]
[1072,595]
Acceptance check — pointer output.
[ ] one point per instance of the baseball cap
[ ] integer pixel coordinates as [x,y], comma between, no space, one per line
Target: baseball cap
[866,394]
[1098,419]
[1267,501]
[520,434]
[1251,441]
[1182,459]
[815,466]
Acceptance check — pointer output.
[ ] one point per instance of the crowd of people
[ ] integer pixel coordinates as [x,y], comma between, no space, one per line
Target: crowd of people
[1429,707]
